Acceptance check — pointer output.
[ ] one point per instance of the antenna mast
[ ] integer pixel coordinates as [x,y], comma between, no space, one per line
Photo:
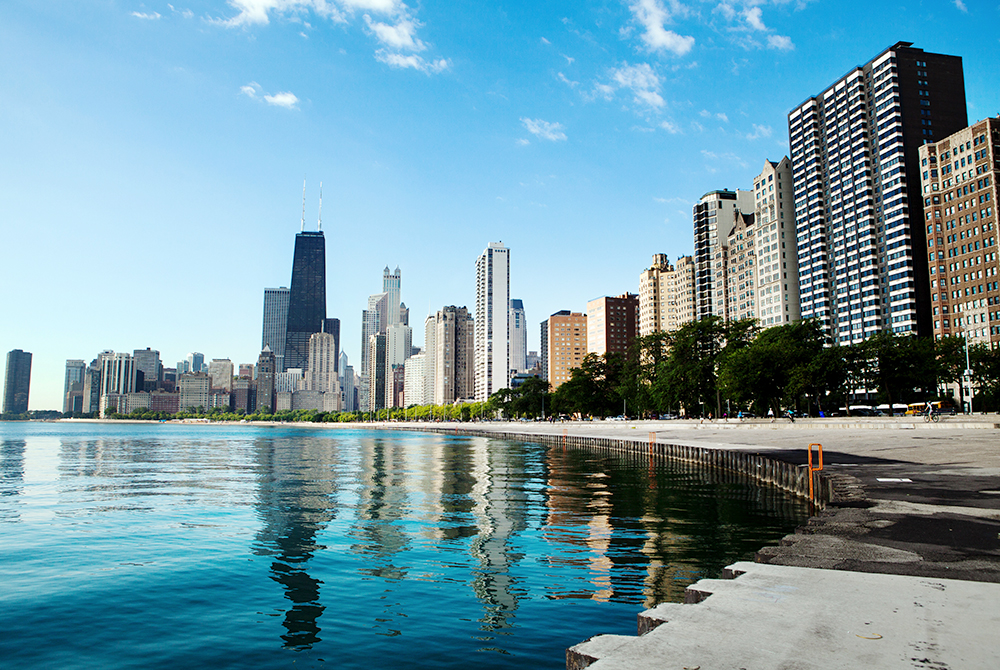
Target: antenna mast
[320,207]
[302,227]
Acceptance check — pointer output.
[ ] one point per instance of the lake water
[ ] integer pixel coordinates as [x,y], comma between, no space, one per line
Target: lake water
[171,546]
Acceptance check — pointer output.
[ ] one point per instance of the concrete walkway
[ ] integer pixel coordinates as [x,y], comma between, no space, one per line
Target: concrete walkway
[783,617]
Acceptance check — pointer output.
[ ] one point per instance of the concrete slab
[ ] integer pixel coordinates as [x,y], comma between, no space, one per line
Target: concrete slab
[786,617]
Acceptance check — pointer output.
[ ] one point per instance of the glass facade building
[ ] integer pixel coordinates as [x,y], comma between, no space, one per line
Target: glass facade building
[17,382]
[306,297]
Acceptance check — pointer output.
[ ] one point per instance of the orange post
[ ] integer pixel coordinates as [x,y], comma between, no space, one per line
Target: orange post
[817,468]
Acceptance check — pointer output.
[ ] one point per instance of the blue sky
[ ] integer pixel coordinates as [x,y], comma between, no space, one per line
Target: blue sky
[154,153]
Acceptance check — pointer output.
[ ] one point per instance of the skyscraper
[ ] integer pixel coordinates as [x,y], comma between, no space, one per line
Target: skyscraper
[265,380]
[391,287]
[275,324]
[195,362]
[73,386]
[856,172]
[777,291]
[306,297]
[450,347]
[321,376]
[612,324]
[714,218]
[147,361]
[667,298]
[518,336]
[17,382]
[492,348]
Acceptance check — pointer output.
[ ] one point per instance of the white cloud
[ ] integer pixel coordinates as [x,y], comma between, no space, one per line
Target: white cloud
[394,25]
[642,81]
[670,127]
[412,61]
[523,142]
[726,157]
[545,41]
[780,42]
[961,6]
[155,16]
[400,36]
[566,80]
[544,130]
[754,19]
[759,132]
[653,15]
[722,117]
[569,60]
[284,99]
[186,13]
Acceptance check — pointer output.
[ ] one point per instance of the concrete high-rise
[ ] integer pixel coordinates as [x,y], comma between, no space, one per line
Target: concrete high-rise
[612,324]
[73,386]
[777,271]
[518,337]
[321,376]
[17,382]
[265,397]
[492,340]
[856,173]
[220,371]
[275,323]
[450,349]
[715,215]
[666,295]
[739,270]
[391,285]
[959,176]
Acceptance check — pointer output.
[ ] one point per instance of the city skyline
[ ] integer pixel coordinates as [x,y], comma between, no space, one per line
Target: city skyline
[588,123]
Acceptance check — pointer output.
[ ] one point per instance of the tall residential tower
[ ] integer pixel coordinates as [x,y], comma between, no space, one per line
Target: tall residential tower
[492,357]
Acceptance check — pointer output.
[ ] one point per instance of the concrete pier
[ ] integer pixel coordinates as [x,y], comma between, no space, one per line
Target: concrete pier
[785,617]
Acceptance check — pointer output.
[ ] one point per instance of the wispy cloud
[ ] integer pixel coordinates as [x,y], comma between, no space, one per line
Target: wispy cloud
[671,127]
[391,23]
[186,13]
[521,142]
[961,6]
[154,16]
[412,61]
[746,18]
[780,42]
[705,114]
[566,80]
[754,18]
[641,80]
[759,132]
[653,16]
[725,158]
[544,130]
[285,99]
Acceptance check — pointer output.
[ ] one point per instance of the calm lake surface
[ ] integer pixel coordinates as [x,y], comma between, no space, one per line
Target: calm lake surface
[171,546]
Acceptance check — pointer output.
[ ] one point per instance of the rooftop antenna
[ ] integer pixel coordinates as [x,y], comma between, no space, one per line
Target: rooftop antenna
[302,227]
[321,206]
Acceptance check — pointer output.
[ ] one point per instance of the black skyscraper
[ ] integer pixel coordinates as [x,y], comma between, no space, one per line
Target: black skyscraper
[15,390]
[306,297]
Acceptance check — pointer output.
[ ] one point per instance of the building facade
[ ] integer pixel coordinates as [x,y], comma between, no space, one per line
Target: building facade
[264,388]
[858,211]
[777,256]
[567,345]
[306,297]
[147,361]
[666,298]
[450,348]
[959,186]
[73,386]
[739,271]
[612,324]
[492,339]
[275,323]
[17,382]
[518,336]
[220,370]
[715,215]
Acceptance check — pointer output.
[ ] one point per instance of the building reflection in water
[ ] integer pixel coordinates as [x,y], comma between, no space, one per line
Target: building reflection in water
[499,504]
[295,501]
[11,478]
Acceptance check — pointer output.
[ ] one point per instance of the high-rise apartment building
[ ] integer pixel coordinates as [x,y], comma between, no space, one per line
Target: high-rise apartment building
[376,382]
[321,376]
[220,371]
[612,324]
[492,348]
[398,347]
[306,297]
[17,382]
[566,345]
[275,323]
[194,391]
[739,270]
[414,383]
[265,397]
[715,215]
[195,362]
[666,299]
[856,173]
[73,386]
[777,293]
[450,348]
[117,380]
[391,285]
[959,185]
[518,336]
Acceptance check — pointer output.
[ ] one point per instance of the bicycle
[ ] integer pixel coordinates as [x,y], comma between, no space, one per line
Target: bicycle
[932,417]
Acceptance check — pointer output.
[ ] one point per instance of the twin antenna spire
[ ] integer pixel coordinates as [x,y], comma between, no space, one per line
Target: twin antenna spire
[302,226]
